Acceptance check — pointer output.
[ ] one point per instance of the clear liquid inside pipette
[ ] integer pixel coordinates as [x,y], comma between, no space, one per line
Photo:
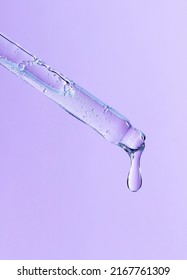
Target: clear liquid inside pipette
[114,127]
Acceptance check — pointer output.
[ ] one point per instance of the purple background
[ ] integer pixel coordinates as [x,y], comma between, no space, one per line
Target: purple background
[63,191]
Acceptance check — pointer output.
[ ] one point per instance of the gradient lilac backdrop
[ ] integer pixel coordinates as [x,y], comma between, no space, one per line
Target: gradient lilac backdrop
[63,191]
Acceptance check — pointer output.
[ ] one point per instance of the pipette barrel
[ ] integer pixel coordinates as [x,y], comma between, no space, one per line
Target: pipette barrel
[114,127]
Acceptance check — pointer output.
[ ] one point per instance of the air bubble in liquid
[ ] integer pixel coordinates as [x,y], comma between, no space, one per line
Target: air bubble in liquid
[21,66]
[106,108]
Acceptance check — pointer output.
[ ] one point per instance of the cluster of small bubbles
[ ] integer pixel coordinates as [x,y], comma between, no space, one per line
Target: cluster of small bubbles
[68,90]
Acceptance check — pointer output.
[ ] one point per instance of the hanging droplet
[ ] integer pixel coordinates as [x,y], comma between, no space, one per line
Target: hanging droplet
[134,180]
